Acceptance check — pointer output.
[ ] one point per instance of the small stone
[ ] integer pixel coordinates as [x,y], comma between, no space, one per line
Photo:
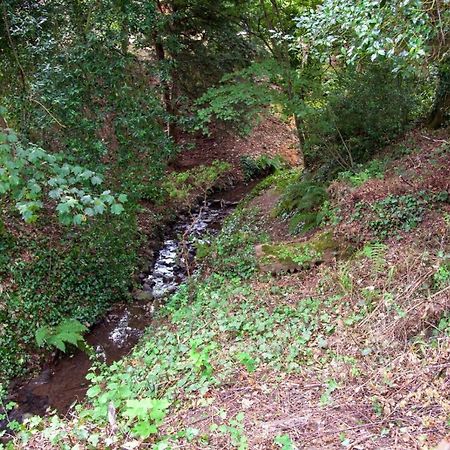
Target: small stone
[142,296]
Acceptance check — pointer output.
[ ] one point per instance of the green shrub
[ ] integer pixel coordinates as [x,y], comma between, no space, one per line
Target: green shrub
[181,186]
[362,109]
[258,167]
[359,174]
[302,202]
[441,277]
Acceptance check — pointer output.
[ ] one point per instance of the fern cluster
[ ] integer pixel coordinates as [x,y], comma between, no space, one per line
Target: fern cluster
[253,168]
[376,252]
[302,202]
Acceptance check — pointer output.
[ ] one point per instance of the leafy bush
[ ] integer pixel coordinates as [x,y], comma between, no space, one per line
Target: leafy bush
[359,174]
[29,176]
[363,109]
[181,186]
[262,166]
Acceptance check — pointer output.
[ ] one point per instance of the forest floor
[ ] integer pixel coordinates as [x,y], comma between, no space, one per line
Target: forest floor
[271,137]
[335,339]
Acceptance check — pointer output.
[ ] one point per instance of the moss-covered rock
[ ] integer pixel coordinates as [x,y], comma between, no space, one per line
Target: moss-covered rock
[294,256]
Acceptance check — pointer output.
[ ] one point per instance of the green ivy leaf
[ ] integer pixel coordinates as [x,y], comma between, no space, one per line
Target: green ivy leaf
[96,180]
[89,212]
[78,219]
[12,137]
[63,208]
[117,208]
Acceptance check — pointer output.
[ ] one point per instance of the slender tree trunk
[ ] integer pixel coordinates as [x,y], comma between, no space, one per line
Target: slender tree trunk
[442,100]
[301,140]
[162,59]
[280,52]
[166,89]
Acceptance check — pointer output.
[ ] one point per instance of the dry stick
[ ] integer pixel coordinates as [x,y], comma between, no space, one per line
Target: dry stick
[48,112]
[346,147]
[360,440]
[435,140]
[407,293]
[427,299]
[357,427]
[412,308]
[338,157]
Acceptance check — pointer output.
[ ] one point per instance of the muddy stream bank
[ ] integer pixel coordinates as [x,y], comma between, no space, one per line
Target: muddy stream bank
[62,382]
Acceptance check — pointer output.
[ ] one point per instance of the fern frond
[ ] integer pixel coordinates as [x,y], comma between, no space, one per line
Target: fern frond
[376,252]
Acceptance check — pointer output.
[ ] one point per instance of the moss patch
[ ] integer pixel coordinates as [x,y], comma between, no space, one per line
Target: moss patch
[288,257]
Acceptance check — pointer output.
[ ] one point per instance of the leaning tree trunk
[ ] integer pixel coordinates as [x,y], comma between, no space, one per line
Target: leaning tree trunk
[442,100]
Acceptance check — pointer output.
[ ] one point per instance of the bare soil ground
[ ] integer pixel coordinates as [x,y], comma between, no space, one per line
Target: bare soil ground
[271,137]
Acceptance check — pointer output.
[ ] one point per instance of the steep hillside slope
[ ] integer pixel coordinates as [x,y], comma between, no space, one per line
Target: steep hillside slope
[337,338]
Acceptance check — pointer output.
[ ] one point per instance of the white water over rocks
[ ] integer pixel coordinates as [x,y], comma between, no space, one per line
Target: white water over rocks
[170,266]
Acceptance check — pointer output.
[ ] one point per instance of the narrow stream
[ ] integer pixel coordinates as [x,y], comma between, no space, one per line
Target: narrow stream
[63,382]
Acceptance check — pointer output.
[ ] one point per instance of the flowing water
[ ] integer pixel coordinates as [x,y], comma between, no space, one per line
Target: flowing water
[63,382]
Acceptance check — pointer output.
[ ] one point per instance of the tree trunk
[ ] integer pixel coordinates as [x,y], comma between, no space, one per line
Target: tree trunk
[166,85]
[442,100]
[301,140]
[166,90]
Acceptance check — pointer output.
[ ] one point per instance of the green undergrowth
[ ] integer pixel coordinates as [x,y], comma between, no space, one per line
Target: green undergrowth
[279,180]
[210,331]
[396,213]
[45,284]
[182,186]
[302,254]
[232,322]
[254,168]
[364,172]
[76,273]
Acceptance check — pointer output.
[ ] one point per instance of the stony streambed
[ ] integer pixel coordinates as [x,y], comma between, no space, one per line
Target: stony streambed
[63,382]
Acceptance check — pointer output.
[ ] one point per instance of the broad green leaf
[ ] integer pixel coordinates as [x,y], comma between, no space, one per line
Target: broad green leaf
[96,180]
[117,208]
[144,429]
[93,391]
